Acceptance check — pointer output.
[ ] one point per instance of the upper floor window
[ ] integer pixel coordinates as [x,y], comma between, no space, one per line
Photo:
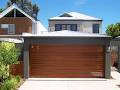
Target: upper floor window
[5,26]
[58,27]
[71,27]
[96,28]
[9,27]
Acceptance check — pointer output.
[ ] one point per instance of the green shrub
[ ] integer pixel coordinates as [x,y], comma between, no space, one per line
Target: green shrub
[9,55]
[113,30]
[1,10]
[3,72]
[11,84]
[18,78]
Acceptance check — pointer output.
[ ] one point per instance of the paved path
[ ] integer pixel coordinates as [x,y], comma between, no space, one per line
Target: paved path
[110,84]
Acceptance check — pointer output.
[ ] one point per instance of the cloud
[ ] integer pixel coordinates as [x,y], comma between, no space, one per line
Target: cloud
[79,2]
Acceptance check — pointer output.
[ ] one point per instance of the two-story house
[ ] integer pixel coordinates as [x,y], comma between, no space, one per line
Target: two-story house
[14,21]
[57,54]
[74,21]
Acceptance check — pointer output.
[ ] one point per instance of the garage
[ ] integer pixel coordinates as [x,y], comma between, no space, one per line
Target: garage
[70,55]
[67,61]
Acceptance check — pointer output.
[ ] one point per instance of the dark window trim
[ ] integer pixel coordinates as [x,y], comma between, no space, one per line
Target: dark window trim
[56,27]
[8,29]
[75,27]
[65,27]
[96,30]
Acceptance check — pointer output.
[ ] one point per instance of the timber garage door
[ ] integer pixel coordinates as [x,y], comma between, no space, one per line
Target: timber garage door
[66,61]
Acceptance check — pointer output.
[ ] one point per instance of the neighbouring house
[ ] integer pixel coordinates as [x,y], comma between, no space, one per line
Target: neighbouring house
[74,21]
[115,52]
[14,21]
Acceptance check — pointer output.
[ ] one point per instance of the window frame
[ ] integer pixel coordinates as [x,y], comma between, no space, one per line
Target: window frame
[9,32]
[56,29]
[72,27]
[3,26]
[94,28]
[8,28]
[66,27]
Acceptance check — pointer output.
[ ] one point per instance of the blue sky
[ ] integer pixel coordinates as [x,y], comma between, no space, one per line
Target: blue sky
[108,10]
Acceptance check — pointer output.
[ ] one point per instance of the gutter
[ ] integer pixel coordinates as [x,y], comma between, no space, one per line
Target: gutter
[11,36]
[71,20]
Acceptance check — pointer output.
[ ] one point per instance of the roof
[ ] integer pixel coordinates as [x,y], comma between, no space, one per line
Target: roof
[64,33]
[74,16]
[40,27]
[13,40]
[118,38]
[15,7]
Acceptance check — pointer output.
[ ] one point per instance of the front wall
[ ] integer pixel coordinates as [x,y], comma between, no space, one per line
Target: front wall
[28,41]
[83,26]
[22,24]
[67,61]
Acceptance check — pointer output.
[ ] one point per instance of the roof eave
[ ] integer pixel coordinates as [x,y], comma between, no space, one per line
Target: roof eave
[25,14]
[15,7]
[73,20]
[67,37]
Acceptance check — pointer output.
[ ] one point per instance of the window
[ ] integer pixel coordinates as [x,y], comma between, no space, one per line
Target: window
[64,27]
[57,27]
[74,27]
[71,27]
[95,28]
[9,27]
[5,26]
[68,27]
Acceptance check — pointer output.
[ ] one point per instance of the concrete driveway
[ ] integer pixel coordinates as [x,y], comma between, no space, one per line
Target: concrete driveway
[81,84]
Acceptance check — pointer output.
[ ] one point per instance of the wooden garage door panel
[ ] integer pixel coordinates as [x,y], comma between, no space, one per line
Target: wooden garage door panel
[62,50]
[65,61]
[69,47]
[75,70]
[61,64]
[65,53]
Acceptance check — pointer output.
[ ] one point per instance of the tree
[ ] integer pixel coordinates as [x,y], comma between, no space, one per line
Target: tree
[113,30]
[26,6]
[35,11]
[1,10]
[10,2]
[9,55]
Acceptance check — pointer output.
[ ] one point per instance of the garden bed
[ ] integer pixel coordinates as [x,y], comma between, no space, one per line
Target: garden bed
[11,83]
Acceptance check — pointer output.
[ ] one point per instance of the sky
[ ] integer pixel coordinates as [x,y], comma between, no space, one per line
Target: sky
[107,10]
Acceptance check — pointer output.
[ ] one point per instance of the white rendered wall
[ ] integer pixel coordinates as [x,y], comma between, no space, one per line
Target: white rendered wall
[82,26]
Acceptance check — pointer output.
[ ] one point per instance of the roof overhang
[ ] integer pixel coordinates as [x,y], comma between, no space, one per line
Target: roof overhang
[71,20]
[15,7]
[12,40]
[118,37]
[69,34]
[75,16]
